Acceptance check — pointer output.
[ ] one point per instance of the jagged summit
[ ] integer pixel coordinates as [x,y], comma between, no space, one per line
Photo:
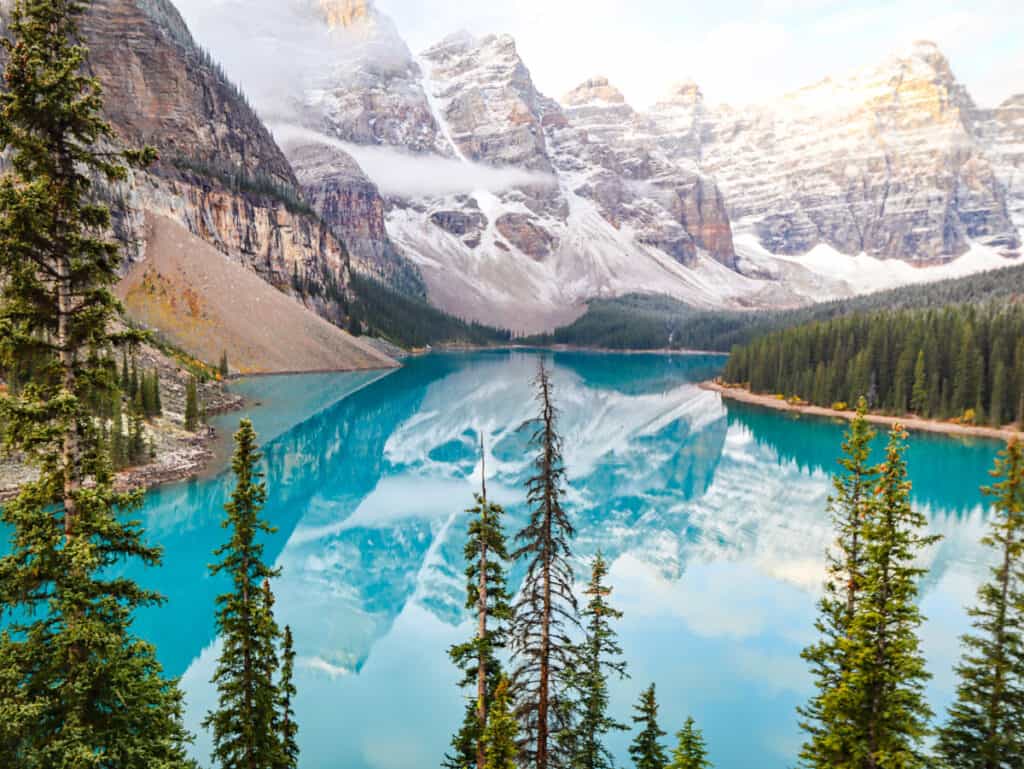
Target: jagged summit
[685,93]
[596,90]
[348,13]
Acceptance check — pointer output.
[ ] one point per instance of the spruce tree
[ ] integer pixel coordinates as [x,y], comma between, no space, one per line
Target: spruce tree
[546,611]
[997,398]
[244,725]
[224,369]
[599,656]
[487,596]
[77,688]
[158,406]
[191,406]
[884,687]
[985,728]
[919,394]
[500,738]
[286,694]
[826,718]
[646,750]
[690,751]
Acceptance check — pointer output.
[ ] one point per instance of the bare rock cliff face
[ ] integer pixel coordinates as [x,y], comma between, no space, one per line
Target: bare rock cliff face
[890,161]
[352,206]
[220,172]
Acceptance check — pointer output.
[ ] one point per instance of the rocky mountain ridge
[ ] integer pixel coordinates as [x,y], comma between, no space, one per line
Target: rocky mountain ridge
[895,162]
[220,173]
[450,175]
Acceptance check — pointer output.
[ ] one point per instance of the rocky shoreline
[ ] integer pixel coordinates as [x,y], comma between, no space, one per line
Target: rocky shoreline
[908,422]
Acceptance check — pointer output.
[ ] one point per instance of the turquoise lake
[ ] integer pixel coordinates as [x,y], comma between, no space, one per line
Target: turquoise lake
[713,515]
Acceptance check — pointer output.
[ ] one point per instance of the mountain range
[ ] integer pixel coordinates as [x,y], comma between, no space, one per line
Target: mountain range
[448,176]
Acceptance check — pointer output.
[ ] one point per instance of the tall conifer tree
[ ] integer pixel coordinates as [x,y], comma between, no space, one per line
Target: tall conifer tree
[827,720]
[487,596]
[286,694]
[500,738]
[76,687]
[244,725]
[646,750]
[884,687]
[546,610]
[985,729]
[191,405]
[599,656]
[690,751]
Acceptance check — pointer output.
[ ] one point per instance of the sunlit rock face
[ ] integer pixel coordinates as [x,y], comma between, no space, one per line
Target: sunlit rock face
[636,184]
[524,253]
[162,90]
[1003,129]
[893,161]
[346,13]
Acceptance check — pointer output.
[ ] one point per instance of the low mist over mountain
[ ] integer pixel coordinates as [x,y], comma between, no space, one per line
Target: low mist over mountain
[449,175]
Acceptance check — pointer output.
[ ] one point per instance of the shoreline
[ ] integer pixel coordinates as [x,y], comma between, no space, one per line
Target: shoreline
[571,348]
[910,423]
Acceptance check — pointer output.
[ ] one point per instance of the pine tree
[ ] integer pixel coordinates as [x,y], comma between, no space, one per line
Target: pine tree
[826,718]
[487,595]
[118,441]
[997,399]
[224,369]
[243,725]
[191,406]
[690,751]
[286,694]
[920,394]
[546,610]
[158,406]
[76,687]
[126,377]
[500,738]
[599,656]
[985,728]
[647,751]
[133,387]
[884,688]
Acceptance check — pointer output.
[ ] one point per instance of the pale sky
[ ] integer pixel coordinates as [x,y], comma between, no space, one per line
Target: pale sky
[737,51]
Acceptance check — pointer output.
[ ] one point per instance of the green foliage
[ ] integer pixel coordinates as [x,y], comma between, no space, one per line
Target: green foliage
[646,750]
[192,414]
[545,658]
[984,728]
[501,735]
[690,751]
[239,179]
[897,359]
[245,724]
[829,742]
[887,676]
[487,596]
[599,656]
[411,322]
[77,689]
[645,321]
[286,711]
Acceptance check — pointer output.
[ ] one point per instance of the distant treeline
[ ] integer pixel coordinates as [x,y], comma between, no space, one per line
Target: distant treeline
[411,322]
[964,361]
[640,321]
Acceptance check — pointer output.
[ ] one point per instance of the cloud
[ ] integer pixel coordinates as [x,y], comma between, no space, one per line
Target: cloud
[399,173]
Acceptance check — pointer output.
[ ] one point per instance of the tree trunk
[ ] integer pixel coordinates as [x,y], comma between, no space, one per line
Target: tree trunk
[481,633]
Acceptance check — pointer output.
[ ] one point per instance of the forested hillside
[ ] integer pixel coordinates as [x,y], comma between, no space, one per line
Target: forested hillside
[963,362]
[654,322]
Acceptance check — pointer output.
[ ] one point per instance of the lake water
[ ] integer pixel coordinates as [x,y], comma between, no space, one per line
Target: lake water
[712,514]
